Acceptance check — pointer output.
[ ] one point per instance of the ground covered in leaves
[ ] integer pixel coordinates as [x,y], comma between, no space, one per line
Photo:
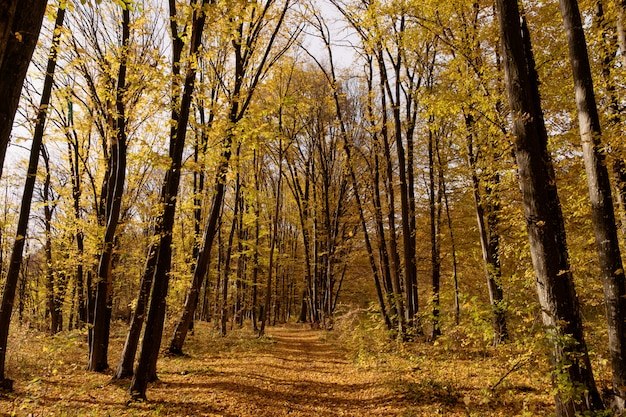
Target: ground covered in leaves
[292,371]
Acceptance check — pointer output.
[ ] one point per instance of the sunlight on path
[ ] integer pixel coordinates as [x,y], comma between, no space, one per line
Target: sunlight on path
[297,376]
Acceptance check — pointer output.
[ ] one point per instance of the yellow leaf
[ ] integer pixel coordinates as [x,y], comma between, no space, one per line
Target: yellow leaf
[18,36]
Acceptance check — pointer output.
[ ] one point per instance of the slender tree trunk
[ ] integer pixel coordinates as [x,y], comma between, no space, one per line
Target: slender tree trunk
[435,260]
[98,352]
[455,278]
[489,242]
[52,307]
[73,154]
[542,209]
[146,366]
[202,262]
[273,237]
[257,232]
[229,251]
[10,284]
[408,235]
[602,212]
[125,366]
[391,213]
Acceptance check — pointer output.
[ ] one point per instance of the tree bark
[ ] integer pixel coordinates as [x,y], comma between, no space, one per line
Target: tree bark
[53,306]
[602,213]
[435,214]
[7,13]
[17,55]
[489,240]
[573,378]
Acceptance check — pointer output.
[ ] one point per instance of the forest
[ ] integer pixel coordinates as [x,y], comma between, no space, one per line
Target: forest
[426,200]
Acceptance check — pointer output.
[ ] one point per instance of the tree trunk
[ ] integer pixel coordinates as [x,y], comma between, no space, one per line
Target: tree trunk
[435,261]
[397,296]
[10,285]
[17,55]
[52,306]
[125,366]
[98,352]
[229,251]
[202,262]
[7,13]
[602,212]
[542,209]
[73,155]
[489,241]
[146,366]
[273,237]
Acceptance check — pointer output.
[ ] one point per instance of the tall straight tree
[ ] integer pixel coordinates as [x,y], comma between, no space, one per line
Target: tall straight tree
[603,215]
[146,365]
[15,263]
[575,386]
[98,349]
[20,45]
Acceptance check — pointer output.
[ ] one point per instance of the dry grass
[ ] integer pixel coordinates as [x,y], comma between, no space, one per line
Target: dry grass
[293,371]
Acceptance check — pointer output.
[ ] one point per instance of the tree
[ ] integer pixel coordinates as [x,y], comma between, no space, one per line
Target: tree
[573,377]
[603,215]
[161,251]
[98,349]
[8,293]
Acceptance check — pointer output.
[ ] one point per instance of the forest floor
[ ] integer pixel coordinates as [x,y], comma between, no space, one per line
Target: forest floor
[292,371]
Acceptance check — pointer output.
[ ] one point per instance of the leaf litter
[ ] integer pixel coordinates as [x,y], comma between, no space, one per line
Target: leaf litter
[293,371]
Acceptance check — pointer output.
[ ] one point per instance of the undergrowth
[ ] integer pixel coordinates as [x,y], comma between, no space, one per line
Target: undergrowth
[458,373]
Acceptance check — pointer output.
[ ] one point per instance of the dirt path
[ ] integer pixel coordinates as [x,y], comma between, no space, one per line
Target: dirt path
[290,373]
[293,372]
[298,375]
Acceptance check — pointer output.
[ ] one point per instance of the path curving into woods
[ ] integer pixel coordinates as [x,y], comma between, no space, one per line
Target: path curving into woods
[299,376]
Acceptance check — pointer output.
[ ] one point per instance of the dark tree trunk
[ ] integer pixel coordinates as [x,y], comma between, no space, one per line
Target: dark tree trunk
[434,198]
[408,234]
[257,230]
[53,307]
[7,13]
[73,155]
[146,366]
[602,212]
[542,209]
[98,352]
[229,251]
[125,366]
[15,263]
[17,55]
[397,296]
[489,239]
[273,237]
[202,262]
